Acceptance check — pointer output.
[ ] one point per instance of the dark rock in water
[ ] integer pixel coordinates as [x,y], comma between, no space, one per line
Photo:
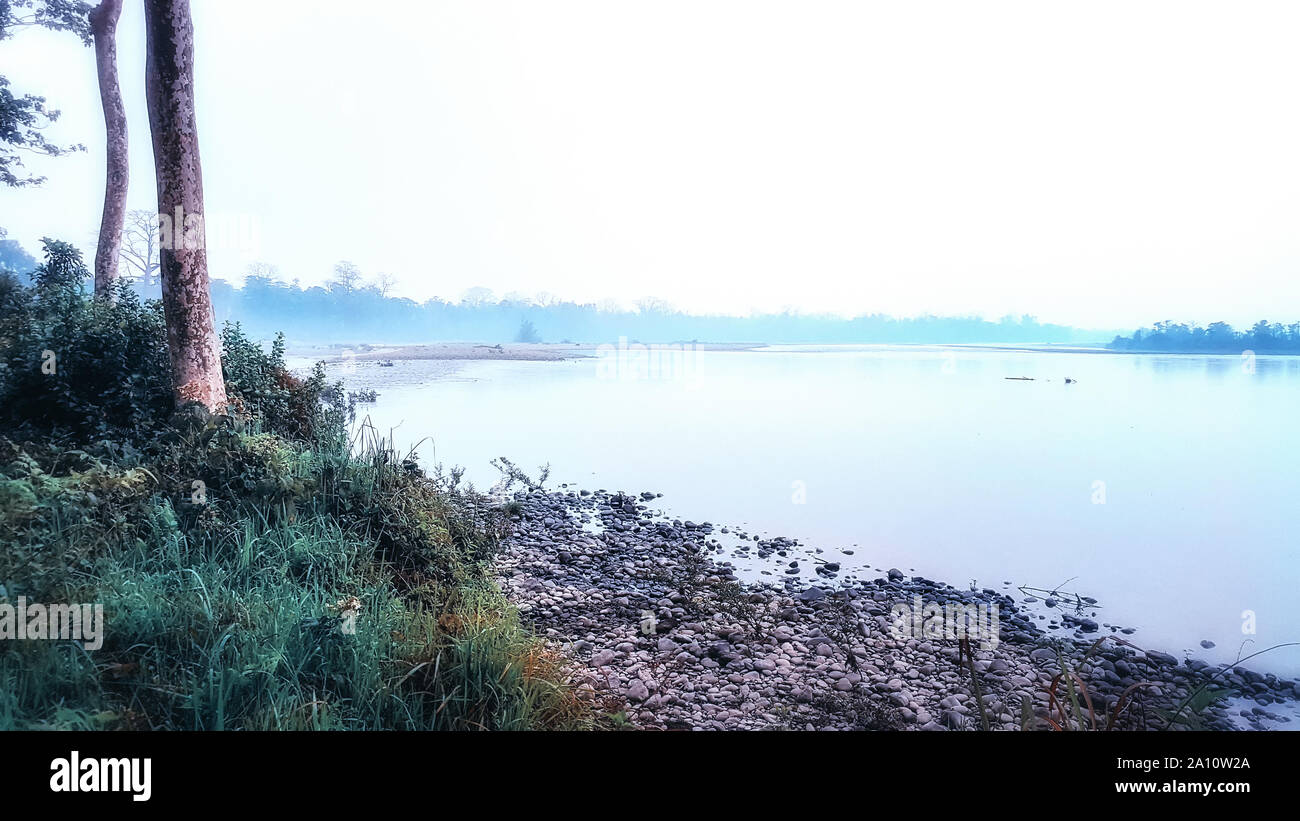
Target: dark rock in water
[895,575]
[1050,602]
[1087,625]
[1162,658]
[831,566]
[812,594]
[1207,644]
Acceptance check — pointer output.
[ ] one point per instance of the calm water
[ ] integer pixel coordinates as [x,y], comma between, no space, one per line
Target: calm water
[1163,486]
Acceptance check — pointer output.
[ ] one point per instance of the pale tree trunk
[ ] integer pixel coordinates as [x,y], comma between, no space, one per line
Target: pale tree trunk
[103,24]
[187,303]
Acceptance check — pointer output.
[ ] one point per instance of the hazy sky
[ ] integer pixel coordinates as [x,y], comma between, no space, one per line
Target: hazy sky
[1104,164]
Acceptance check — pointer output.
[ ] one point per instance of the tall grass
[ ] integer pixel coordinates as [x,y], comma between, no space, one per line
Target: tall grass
[257,570]
[237,627]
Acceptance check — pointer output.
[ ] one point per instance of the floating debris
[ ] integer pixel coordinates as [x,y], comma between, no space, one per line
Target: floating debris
[1057,596]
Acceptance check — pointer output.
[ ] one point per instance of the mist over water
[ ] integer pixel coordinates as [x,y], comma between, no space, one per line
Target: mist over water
[1161,485]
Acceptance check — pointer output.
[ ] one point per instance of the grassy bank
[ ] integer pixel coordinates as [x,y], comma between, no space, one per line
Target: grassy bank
[257,570]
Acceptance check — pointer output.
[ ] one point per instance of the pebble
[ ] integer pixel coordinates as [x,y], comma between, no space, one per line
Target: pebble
[675,634]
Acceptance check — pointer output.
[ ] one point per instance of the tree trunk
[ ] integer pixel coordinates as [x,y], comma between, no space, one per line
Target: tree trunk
[187,303]
[103,24]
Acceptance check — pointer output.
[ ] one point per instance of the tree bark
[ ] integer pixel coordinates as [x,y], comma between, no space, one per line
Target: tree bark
[187,304]
[103,25]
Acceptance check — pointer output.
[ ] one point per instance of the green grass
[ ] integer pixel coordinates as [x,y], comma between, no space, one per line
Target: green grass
[232,622]
[226,550]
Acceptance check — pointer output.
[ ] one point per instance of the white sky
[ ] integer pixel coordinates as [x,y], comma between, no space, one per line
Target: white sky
[1105,164]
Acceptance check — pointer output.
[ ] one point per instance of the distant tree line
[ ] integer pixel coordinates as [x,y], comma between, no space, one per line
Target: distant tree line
[14,258]
[342,313]
[350,309]
[1218,337]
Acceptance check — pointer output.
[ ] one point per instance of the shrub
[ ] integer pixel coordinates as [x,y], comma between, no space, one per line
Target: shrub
[527,332]
[229,550]
[75,369]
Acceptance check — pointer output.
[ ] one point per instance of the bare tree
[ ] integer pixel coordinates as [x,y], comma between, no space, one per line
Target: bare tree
[103,27]
[347,276]
[187,303]
[477,296]
[140,244]
[262,270]
[384,284]
[653,305]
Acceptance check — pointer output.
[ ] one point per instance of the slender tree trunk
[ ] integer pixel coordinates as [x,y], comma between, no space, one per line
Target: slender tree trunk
[187,303]
[103,24]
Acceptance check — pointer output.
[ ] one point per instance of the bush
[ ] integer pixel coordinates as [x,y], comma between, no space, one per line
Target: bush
[527,332]
[74,369]
[255,572]
[260,386]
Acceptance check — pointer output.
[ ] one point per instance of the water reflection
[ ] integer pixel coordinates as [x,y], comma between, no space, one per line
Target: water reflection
[960,463]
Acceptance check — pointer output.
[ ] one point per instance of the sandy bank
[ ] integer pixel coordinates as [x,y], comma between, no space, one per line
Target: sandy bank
[534,352]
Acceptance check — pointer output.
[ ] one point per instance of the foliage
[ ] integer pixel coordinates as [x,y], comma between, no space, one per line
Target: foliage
[256,570]
[24,117]
[527,333]
[1218,337]
[55,15]
[259,384]
[14,259]
[266,304]
[73,370]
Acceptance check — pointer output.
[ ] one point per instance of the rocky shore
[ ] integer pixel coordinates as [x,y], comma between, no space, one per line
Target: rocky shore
[667,637]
